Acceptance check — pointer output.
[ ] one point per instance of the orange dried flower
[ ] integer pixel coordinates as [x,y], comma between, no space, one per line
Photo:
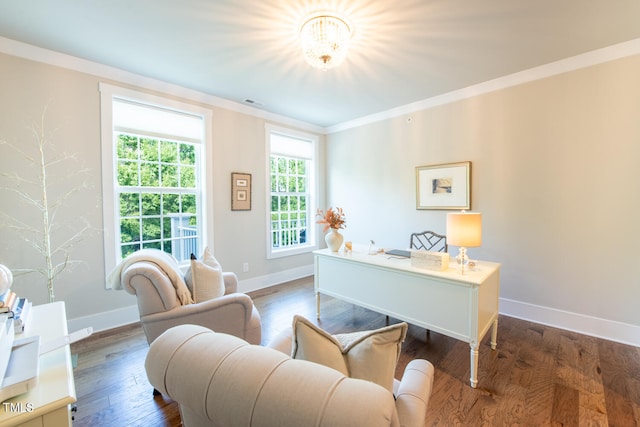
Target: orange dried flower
[332,218]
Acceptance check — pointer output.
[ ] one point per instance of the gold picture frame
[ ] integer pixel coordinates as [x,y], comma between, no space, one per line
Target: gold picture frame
[445,186]
[240,191]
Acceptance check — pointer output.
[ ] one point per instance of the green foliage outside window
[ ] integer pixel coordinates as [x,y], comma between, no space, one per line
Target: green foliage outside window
[157,180]
[289,194]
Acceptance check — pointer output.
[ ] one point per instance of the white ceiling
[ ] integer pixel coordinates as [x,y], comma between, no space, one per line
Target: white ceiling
[403,51]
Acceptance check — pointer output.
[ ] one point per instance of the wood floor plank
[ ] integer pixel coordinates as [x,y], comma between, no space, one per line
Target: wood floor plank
[620,378]
[540,390]
[538,376]
[566,407]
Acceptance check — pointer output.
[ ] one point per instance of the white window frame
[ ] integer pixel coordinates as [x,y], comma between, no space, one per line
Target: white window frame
[311,243]
[111,215]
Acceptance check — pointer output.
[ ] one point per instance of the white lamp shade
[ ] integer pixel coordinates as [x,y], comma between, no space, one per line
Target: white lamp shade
[464,229]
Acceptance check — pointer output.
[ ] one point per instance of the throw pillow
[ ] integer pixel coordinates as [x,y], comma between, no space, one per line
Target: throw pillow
[368,355]
[204,278]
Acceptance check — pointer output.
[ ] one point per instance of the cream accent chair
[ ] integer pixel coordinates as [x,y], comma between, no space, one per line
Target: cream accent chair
[221,380]
[160,308]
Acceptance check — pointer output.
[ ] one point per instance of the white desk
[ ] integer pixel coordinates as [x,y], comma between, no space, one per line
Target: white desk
[48,403]
[462,307]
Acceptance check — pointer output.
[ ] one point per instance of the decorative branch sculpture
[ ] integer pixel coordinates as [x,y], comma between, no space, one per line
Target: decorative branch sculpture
[35,193]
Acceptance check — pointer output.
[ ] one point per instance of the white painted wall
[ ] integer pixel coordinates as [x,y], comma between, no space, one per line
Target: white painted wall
[554,172]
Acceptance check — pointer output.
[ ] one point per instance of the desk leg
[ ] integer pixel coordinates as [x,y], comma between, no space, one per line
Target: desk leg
[494,335]
[474,365]
[318,305]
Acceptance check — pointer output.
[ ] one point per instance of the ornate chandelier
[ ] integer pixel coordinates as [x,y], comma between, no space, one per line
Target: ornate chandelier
[325,40]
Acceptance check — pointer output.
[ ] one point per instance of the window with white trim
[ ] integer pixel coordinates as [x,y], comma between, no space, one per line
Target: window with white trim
[291,169]
[153,175]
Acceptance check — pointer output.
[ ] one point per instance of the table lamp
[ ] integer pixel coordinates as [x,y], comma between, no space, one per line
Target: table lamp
[464,229]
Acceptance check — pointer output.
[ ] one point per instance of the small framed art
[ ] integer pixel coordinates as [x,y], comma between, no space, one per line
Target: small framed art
[446,186]
[240,191]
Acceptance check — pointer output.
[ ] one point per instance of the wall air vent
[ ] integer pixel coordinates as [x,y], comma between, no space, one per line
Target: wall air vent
[253,102]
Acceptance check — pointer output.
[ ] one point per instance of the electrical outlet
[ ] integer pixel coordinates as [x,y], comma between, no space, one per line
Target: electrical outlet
[245,267]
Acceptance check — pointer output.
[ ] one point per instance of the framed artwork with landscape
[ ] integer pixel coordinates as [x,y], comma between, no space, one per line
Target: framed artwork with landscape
[445,186]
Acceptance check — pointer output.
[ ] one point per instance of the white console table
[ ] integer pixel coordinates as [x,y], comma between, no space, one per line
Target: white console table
[48,403]
[464,307]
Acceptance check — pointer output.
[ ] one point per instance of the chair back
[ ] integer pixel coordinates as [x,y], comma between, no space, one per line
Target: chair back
[221,380]
[429,241]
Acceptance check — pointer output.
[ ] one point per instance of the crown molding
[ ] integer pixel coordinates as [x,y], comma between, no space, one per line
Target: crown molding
[588,59]
[50,57]
[595,57]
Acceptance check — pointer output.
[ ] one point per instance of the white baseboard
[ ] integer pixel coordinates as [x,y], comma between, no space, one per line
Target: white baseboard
[106,319]
[587,325]
[261,282]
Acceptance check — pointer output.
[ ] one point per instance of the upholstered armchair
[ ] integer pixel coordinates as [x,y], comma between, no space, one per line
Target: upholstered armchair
[160,307]
[221,380]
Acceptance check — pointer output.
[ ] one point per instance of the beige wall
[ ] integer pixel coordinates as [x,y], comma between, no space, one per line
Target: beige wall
[555,174]
[73,120]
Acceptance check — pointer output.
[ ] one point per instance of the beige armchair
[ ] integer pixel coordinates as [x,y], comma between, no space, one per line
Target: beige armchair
[221,380]
[160,308]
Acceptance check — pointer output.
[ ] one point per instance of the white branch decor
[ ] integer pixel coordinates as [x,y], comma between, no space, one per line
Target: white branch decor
[35,192]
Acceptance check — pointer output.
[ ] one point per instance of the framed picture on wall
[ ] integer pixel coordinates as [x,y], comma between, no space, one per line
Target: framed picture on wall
[445,186]
[240,191]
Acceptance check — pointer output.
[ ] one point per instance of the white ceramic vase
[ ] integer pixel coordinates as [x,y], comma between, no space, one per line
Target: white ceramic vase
[334,239]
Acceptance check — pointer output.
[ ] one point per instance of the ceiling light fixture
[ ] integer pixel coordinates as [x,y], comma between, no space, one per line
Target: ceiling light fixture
[325,40]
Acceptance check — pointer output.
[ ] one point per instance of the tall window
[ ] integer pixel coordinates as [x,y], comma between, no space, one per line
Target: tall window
[292,191]
[153,157]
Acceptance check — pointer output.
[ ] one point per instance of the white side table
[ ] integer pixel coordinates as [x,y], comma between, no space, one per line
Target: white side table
[48,404]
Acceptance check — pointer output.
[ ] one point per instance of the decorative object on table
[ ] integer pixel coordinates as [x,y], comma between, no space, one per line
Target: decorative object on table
[21,314]
[373,249]
[348,247]
[8,301]
[464,229]
[445,186]
[437,261]
[334,240]
[333,219]
[240,191]
[11,305]
[50,237]
[6,278]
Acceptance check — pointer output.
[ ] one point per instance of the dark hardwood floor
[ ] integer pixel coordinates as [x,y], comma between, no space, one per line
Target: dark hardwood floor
[538,375]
